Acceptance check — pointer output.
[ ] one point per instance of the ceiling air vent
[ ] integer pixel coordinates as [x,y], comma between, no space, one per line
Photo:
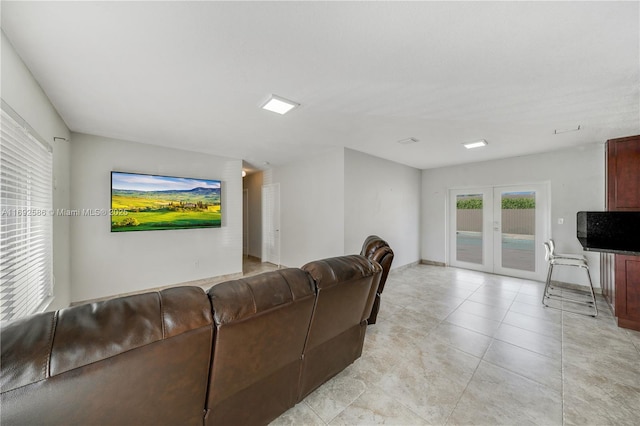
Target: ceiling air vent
[407,141]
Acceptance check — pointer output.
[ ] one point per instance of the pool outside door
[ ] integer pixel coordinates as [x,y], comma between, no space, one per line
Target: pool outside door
[500,229]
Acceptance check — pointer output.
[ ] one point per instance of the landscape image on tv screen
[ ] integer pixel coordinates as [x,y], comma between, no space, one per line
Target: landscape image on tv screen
[141,202]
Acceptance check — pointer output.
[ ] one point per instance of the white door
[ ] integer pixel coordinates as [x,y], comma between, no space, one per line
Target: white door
[271,223]
[245,222]
[500,229]
[521,221]
[471,229]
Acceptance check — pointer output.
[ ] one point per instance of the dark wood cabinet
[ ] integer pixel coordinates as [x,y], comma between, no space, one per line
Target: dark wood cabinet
[623,174]
[628,291]
[620,275]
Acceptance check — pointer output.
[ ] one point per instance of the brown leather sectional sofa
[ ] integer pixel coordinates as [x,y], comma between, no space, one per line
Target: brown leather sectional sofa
[240,354]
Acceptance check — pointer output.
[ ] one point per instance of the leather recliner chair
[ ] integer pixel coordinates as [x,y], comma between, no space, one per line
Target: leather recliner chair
[376,249]
[261,325]
[346,287]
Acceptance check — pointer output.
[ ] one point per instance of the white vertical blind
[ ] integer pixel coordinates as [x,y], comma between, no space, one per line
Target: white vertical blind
[26,221]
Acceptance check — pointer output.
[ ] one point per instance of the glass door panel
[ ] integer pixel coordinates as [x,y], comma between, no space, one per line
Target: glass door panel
[469,235]
[521,224]
[518,235]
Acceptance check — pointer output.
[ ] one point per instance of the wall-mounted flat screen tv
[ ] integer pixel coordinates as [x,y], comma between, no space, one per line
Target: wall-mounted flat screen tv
[142,202]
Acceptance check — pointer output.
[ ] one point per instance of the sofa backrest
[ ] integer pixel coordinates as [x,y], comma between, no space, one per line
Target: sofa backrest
[261,325]
[114,362]
[346,287]
[377,249]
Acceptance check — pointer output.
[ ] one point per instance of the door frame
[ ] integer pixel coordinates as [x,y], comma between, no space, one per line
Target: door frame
[245,222]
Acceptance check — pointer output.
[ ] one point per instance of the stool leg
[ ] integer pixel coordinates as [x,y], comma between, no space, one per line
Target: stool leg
[593,296]
[548,283]
[548,287]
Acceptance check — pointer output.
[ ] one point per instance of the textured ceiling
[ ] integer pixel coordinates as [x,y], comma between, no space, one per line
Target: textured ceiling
[192,75]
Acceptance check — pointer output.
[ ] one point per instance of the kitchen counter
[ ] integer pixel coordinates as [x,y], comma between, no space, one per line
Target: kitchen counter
[606,247]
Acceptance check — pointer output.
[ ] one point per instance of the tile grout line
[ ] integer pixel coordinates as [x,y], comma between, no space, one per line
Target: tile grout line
[314,412]
[493,340]
[379,388]
[481,358]
[442,321]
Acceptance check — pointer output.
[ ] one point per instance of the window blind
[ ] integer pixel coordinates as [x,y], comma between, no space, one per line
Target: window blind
[26,220]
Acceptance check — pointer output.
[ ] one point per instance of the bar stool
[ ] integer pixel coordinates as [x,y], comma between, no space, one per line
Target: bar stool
[576,261]
[552,247]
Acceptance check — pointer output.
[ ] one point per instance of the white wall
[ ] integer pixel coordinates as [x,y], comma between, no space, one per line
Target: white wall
[330,203]
[311,208]
[253,183]
[577,183]
[382,198]
[24,95]
[105,263]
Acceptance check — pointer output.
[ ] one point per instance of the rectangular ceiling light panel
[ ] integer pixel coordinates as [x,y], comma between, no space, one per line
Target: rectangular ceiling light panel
[477,144]
[279,105]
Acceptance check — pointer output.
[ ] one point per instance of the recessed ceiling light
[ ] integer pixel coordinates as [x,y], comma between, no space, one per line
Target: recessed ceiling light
[279,104]
[477,144]
[407,141]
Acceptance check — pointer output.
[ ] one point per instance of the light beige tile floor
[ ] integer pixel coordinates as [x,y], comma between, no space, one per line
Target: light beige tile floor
[457,347]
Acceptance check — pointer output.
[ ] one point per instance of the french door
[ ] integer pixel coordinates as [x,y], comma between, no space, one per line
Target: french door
[500,229]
